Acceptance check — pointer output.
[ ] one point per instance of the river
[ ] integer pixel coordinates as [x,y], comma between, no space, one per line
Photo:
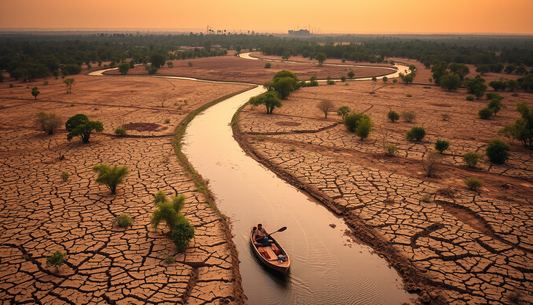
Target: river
[327,266]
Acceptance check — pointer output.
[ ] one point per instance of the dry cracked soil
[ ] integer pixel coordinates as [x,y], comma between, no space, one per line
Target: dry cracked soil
[450,243]
[40,213]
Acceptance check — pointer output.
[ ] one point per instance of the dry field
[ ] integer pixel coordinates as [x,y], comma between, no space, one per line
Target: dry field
[231,68]
[41,214]
[300,58]
[473,246]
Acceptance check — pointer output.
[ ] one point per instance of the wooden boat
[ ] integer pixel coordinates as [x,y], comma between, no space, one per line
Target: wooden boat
[267,255]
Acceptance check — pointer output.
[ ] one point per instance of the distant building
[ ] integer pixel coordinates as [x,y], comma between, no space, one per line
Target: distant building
[299,33]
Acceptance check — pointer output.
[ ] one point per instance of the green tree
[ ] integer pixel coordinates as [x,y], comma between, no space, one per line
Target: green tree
[416,133]
[442,145]
[509,69]
[157,60]
[364,126]
[111,176]
[393,115]
[496,85]
[476,86]
[80,126]
[321,58]
[485,113]
[471,158]
[460,69]
[498,151]
[352,120]
[124,68]
[69,82]
[286,55]
[343,111]
[483,69]
[152,70]
[495,105]
[511,85]
[439,70]
[524,126]
[450,82]
[183,233]
[268,65]
[385,79]
[269,99]
[351,74]
[238,48]
[167,211]
[35,92]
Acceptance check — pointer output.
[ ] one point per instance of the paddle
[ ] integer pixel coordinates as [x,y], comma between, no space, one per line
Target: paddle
[280,230]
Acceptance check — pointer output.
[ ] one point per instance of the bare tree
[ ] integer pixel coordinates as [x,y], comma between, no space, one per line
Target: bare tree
[325,106]
[431,163]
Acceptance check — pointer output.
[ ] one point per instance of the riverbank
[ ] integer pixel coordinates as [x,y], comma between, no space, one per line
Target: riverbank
[42,214]
[449,243]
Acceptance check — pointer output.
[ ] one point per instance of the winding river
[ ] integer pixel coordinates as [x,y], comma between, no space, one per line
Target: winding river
[327,266]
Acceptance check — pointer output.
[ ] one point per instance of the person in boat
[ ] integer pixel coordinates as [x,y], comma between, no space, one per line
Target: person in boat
[261,236]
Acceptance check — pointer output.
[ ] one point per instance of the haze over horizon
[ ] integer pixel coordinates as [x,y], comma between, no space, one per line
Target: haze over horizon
[357,17]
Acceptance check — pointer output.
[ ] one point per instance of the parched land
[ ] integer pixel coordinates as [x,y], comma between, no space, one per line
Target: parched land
[231,68]
[448,242]
[40,213]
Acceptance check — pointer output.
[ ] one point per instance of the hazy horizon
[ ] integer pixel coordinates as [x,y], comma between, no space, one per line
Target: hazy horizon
[340,17]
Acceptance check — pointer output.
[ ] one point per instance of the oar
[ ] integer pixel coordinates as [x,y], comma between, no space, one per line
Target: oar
[280,230]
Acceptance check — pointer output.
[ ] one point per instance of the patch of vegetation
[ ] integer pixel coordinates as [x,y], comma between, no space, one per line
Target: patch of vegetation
[111,176]
[416,133]
[343,111]
[121,131]
[469,97]
[69,82]
[426,198]
[35,92]
[442,145]
[259,137]
[65,176]
[268,65]
[292,148]
[269,99]
[123,221]
[498,151]
[80,126]
[495,105]
[167,121]
[183,233]
[57,260]
[393,116]
[48,122]
[408,116]
[471,158]
[485,113]
[473,183]
[167,210]
[390,149]
[170,260]
[431,163]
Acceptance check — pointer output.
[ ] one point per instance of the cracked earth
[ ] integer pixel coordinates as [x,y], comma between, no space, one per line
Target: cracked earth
[472,247]
[41,214]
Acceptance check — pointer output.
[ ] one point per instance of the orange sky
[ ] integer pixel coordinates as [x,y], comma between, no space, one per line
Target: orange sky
[346,16]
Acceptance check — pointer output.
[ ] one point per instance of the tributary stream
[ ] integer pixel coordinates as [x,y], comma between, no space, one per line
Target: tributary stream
[327,267]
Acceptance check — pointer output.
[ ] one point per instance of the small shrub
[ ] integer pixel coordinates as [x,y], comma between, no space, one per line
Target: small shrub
[259,137]
[170,64]
[409,95]
[292,148]
[495,105]
[416,133]
[343,111]
[364,127]
[331,82]
[408,116]
[431,163]
[11,86]
[167,211]
[442,145]
[35,92]
[111,176]
[426,198]
[498,151]
[65,176]
[485,113]
[268,65]
[445,116]
[493,95]
[394,81]
[393,116]
[167,121]
[185,102]
[121,131]
[189,63]
[469,97]
[48,122]
[123,221]
[182,234]
[471,158]
[473,183]
[343,78]
[170,260]
[57,259]
[152,70]
[390,149]
[45,82]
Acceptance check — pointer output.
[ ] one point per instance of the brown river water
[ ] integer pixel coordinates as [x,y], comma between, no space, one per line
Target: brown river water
[327,267]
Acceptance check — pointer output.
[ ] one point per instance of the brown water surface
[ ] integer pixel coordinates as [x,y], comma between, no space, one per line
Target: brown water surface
[327,267]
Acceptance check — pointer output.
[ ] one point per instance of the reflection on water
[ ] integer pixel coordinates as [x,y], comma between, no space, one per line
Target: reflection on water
[327,267]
